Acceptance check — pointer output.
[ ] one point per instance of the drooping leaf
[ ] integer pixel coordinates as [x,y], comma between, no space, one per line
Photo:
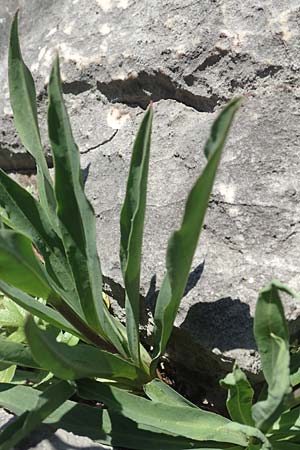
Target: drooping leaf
[240,396]
[272,338]
[100,425]
[76,216]
[185,421]
[7,375]
[19,266]
[131,227]
[38,309]
[14,353]
[160,392]
[30,219]
[23,102]
[183,242]
[47,402]
[70,363]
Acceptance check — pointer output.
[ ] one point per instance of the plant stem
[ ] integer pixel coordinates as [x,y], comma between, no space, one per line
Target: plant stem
[80,325]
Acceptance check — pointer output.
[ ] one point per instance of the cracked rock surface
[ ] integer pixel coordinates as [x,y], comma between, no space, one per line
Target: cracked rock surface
[190,58]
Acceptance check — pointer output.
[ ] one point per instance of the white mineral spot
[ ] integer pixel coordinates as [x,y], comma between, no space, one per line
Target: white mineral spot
[180,51]
[42,53]
[105,29]
[281,23]
[227,191]
[7,111]
[51,32]
[169,23]
[34,67]
[71,54]
[251,280]
[123,4]
[106,5]
[104,47]
[69,28]
[116,118]
[48,57]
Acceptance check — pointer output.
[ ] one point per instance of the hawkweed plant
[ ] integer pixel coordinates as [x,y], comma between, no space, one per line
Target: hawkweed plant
[73,348]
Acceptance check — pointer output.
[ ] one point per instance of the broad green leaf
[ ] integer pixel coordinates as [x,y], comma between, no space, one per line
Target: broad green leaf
[38,309]
[23,102]
[47,402]
[282,445]
[7,375]
[131,227]
[288,422]
[30,219]
[192,423]
[183,242]
[11,315]
[240,396]
[19,266]
[81,361]
[160,392]
[14,353]
[272,338]
[76,216]
[98,424]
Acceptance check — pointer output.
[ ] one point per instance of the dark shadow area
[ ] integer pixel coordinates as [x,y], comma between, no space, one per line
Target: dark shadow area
[85,173]
[194,278]
[146,87]
[153,291]
[76,87]
[225,324]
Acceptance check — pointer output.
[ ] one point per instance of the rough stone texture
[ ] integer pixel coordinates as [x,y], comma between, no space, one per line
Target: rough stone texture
[189,57]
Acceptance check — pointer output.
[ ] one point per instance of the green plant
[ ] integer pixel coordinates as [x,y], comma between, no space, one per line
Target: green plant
[49,266]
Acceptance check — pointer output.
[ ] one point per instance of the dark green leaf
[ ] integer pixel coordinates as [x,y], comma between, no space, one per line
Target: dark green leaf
[272,338]
[16,353]
[76,217]
[23,102]
[19,266]
[100,425]
[37,308]
[81,361]
[183,242]
[160,392]
[192,423]
[47,402]
[132,226]
[30,219]
[240,396]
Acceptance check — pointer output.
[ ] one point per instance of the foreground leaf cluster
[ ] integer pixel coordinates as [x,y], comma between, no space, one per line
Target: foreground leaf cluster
[71,349]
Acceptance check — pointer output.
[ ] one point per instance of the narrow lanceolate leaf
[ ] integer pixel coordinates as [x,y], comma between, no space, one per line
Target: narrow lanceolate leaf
[47,402]
[29,218]
[23,102]
[98,424]
[192,423]
[240,396]
[19,266]
[272,338]
[16,353]
[132,226]
[38,309]
[159,391]
[81,361]
[76,215]
[183,242]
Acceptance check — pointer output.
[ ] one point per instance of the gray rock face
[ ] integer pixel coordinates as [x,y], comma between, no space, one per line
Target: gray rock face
[190,58]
